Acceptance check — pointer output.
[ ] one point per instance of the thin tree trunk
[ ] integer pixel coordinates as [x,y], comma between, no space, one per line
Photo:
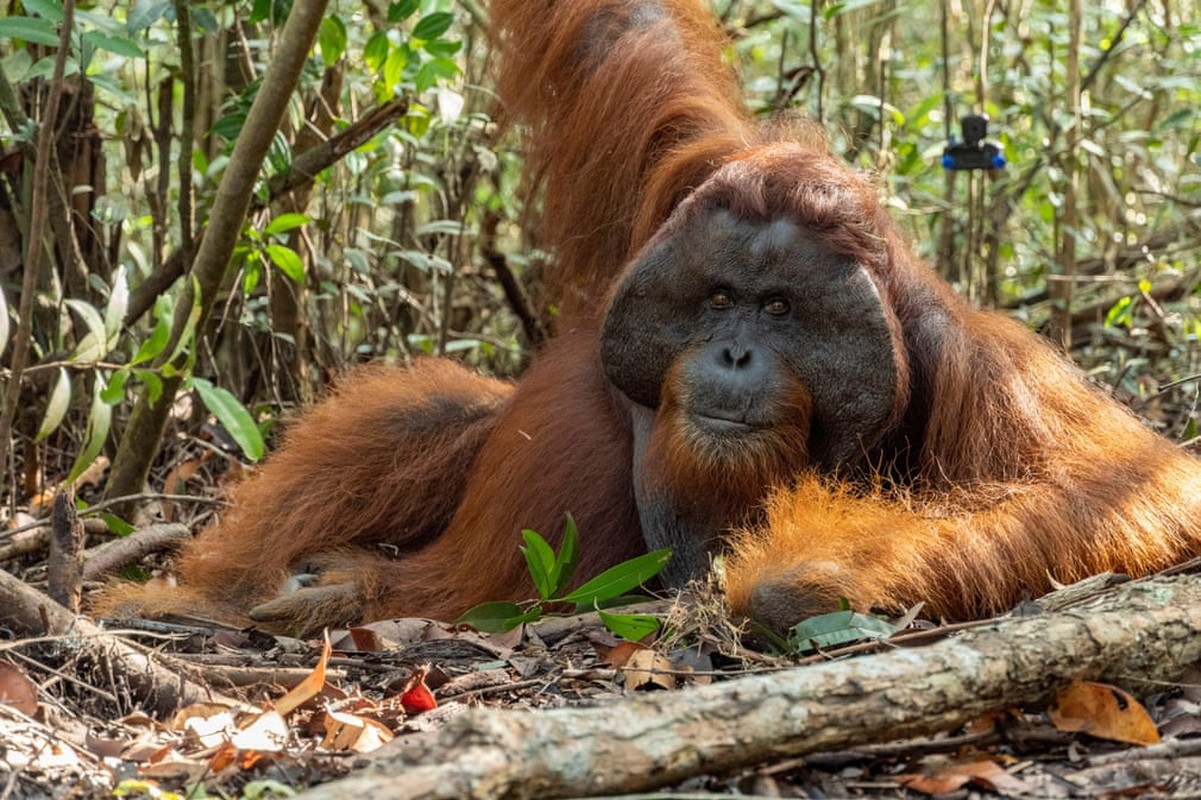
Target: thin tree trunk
[140,442]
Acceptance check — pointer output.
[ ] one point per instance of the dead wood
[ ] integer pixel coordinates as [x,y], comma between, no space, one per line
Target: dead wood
[1142,631]
[105,559]
[65,569]
[28,613]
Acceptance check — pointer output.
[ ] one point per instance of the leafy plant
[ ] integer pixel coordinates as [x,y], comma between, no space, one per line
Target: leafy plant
[552,572]
[835,628]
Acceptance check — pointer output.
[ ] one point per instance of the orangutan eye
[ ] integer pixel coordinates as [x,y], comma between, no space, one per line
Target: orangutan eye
[776,307]
[721,299]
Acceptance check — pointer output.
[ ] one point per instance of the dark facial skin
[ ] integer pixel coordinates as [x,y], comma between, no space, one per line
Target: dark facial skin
[752,351]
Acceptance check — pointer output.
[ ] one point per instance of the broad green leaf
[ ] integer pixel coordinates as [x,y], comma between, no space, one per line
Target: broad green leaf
[92,345]
[50,9]
[157,340]
[114,44]
[288,261]
[620,579]
[441,47]
[56,408]
[402,10]
[434,69]
[633,627]
[332,40]
[44,68]
[375,52]
[114,312]
[540,559]
[144,14]
[115,393]
[835,628]
[233,415]
[498,617]
[285,222]
[564,565]
[30,29]
[117,525]
[431,26]
[100,418]
[153,384]
[394,68]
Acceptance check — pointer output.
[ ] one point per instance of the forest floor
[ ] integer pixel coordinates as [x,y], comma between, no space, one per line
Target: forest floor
[286,714]
[282,714]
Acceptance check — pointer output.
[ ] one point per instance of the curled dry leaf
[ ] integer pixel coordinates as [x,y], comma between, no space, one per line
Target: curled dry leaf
[1104,711]
[984,774]
[310,687]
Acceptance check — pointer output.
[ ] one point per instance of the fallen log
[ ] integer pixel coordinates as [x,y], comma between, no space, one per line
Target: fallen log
[1144,630]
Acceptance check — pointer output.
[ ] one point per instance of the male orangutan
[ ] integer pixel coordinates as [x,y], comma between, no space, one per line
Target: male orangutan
[751,361]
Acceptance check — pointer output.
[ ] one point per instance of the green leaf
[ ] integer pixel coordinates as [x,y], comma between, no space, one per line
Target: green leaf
[288,261]
[442,47]
[157,340]
[115,392]
[144,14]
[153,384]
[285,222]
[1122,312]
[394,68]
[498,617]
[332,39]
[56,407]
[92,346]
[564,566]
[540,559]
[50,9]
[100,419]
[620,579]
[114,44]
[400,11]
[633,627]
[114,312]
[29,29]
[375,52]
[117,525]
[434,69]
[431,26]
[233,415]
[835,628]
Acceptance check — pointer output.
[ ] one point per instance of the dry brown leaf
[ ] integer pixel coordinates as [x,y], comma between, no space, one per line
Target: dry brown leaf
[16,690]
[267,733]
[984,774]
[646,669]
[349,733]
[1103,711]
[209,731]
[310,687]
[617,655]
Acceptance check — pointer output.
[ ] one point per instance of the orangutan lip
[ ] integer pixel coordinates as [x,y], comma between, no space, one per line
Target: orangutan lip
[719,424]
